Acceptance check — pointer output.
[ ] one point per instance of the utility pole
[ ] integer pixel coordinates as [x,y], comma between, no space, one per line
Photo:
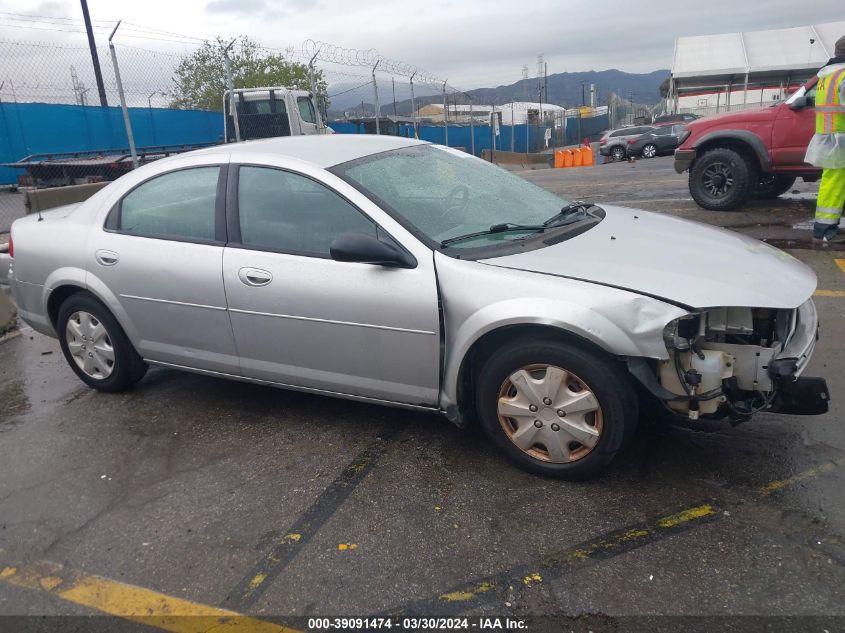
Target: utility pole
[98,75]
[393,83]
[583,95]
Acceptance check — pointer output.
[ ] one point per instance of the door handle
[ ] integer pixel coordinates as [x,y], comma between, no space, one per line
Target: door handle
[254,276]
[106,258]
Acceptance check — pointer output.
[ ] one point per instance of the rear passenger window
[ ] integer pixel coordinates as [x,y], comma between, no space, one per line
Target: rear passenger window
[282,211]
[178,205]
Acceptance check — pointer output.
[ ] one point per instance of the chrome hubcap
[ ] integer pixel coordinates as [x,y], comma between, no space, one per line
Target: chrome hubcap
[89,345]
[718,179]
[549,413]
[649,151]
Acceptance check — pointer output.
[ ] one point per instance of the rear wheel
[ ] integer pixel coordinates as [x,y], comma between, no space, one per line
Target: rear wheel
[617,153]
[554,408]
[649,151]
[772,185]
[95,346]
[721,179]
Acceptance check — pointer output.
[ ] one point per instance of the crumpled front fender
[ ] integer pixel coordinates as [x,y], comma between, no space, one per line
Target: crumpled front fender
[480,299]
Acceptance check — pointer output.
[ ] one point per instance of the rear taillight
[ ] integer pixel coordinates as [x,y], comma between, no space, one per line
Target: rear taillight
[603,141]
[631,141]
[11,247]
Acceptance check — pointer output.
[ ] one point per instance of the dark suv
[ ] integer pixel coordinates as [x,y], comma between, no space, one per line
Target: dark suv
[757,152]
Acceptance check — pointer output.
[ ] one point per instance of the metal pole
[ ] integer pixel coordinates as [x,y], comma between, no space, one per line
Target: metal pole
[513,127]
[445,117]
[321,125]
[126,121]
[393,84]
[414,107]
[375,91]
[745,92]
[230,86]
[527,133]
[95,60]
[471,128]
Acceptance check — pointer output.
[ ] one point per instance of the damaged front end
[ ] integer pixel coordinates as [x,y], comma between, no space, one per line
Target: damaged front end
[734,362]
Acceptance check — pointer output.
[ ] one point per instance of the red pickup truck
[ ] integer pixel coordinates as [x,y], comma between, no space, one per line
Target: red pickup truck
[751,153]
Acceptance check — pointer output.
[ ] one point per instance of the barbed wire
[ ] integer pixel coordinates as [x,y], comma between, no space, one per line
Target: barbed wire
[371,58]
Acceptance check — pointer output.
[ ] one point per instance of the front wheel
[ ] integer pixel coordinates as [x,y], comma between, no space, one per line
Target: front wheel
[771,186]
[555,409]
[95,346]
[721,179]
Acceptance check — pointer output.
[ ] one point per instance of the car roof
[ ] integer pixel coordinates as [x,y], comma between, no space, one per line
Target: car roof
[324,150]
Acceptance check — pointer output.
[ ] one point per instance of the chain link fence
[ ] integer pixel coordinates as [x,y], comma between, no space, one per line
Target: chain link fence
[55,131]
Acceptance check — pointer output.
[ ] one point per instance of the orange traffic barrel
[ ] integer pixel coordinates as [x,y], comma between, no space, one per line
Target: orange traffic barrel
[559,158]
[587,155]
[578,158]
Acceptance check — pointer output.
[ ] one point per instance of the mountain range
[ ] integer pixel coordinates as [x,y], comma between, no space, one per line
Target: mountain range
[562,89]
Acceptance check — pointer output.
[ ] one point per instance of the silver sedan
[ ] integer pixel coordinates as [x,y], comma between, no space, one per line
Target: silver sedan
[399,272]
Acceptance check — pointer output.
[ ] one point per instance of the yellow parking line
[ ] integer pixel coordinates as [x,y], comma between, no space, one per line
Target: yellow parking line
[841,264]
[830,293]
[134,603]
[810,473]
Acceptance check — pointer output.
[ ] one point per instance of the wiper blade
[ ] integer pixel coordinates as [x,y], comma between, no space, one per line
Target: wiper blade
[569,212]
[496,228]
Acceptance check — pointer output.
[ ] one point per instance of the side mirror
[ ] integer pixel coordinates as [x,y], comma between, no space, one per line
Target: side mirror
[366,249]
[800,102]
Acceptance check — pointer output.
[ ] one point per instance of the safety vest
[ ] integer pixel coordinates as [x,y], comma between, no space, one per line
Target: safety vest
[830,111]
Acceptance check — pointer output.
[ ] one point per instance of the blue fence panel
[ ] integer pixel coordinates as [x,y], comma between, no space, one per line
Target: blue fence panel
[43,128]
[511,138]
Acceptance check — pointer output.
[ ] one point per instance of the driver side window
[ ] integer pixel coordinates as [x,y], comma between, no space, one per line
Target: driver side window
[289,213]
[811,96]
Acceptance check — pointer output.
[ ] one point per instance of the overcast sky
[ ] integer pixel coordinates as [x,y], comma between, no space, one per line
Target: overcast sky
[471,42]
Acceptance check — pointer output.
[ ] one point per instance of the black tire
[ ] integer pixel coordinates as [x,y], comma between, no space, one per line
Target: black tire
[770,186]
[607,381]
[721,179]
[618,153]
[128,367]
[645,151]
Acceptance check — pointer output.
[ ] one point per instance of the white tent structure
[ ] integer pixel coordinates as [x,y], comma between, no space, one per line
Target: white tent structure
[746,69]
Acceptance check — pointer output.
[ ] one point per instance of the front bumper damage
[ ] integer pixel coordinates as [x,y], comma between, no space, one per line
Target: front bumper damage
[734,362]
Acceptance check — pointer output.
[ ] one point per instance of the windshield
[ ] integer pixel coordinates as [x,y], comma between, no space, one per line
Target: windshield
[446,193]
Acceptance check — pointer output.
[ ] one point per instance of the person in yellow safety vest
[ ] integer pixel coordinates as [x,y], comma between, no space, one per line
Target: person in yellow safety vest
[827,148]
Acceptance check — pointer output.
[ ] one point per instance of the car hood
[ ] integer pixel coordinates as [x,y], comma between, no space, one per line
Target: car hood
[677,260]
[763,113]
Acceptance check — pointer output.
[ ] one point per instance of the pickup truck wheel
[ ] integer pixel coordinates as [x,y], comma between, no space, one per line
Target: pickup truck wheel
[617,153]
[772,185]
[554,408]
[95,346]
[721,179]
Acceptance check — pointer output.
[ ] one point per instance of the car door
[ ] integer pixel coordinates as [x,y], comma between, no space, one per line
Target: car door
[160,255]
[301,318]
[792,131]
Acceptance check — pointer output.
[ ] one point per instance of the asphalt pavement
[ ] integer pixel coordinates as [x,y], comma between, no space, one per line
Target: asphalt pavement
[191,494]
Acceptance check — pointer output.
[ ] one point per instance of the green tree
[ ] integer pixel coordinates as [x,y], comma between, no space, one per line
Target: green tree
[200,78]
